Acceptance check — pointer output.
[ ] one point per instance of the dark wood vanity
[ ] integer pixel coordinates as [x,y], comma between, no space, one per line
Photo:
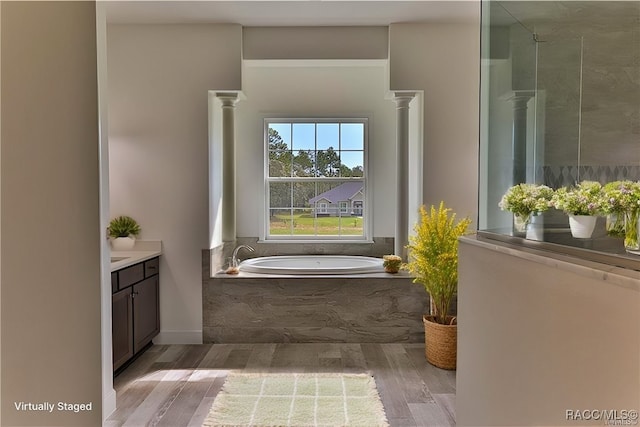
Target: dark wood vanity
[135,309]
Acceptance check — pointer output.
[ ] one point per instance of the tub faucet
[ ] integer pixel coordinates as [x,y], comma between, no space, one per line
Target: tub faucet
[234,258]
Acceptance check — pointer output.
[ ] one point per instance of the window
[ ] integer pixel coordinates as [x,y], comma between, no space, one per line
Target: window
[315,179]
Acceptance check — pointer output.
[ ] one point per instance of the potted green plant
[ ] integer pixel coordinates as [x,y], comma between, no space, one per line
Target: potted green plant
[123,231]
[524,201]
[582,203]
[433,260]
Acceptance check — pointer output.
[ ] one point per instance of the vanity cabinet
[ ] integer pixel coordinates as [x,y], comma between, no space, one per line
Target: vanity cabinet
[134,309]
[122,327]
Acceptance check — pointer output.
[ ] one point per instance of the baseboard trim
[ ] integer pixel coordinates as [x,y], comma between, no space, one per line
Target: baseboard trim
[178,337]
[108,404]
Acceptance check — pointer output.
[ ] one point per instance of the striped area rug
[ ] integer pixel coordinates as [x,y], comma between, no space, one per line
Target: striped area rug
[298,400]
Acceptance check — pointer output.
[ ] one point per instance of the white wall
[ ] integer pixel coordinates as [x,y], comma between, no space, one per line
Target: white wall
[443,60]
[292,89]
[315,42]
[50,212]
[540,336]
[159,77]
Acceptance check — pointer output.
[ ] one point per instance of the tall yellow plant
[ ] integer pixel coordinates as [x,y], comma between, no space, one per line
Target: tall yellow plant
[433,256]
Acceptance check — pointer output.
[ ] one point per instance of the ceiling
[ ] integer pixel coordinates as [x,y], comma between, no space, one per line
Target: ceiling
[292,13]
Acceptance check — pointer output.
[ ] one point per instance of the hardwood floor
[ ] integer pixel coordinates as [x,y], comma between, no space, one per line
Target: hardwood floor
[175,385]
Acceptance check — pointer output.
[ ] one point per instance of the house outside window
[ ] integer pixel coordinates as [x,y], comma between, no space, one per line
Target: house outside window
[315,179]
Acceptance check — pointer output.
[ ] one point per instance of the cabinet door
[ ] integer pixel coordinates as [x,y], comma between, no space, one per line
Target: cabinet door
[122,327]
[146,319]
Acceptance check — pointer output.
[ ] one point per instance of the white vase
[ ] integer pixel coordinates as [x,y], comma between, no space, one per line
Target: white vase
[535,229]
[582,226]
[123,243]
[520,222]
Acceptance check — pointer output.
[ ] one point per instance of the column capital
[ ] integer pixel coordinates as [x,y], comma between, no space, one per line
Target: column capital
[228,99]
[403,99]
[519,96]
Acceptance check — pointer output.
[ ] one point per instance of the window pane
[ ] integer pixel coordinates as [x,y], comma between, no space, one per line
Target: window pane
[280,221]
[351,226]
[303,223]
[303,192]
[279,194]
[351,163]
[327,163]
[328,136]
[352,136]
[328,225]
[279,136]
[303,163]
[319,208]
[316,150]
[304,135]
[280,163]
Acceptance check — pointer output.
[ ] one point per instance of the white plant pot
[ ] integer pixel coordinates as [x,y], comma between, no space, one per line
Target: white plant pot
[582,226]
[123,243]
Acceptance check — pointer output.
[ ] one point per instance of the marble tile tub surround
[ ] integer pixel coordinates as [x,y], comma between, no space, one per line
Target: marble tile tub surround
[249,308]
[375,308]
[380,246]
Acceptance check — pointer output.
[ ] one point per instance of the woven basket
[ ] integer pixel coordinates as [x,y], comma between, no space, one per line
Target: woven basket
[441,342]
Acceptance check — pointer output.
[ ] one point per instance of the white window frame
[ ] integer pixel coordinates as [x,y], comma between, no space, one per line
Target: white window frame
[343,207]
[367,216]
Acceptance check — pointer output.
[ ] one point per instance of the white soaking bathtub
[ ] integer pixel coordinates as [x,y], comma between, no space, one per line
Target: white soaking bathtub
[312,265]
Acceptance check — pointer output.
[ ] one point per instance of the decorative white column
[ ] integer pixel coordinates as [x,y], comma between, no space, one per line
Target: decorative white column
[401,239]
[520,100]
[229,101]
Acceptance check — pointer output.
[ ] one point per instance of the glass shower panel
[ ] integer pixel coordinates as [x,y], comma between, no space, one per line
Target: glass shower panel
[558,118]
[560,104]
[508,111]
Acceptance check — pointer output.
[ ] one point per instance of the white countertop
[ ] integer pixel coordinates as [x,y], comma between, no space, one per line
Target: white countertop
[142,251]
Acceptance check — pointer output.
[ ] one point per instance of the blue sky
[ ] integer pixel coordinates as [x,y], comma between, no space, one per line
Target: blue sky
[302,136]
